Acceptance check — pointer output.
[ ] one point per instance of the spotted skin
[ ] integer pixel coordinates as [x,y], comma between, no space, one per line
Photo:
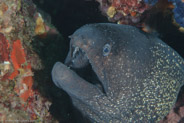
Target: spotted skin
[141,75]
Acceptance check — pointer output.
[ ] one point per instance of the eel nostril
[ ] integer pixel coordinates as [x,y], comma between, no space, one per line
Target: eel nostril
[75,52]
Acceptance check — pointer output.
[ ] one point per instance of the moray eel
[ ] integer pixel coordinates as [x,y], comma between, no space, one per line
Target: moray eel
[140,75]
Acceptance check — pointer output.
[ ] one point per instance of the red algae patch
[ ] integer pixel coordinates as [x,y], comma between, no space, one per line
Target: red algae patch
[4,48]
[18,58]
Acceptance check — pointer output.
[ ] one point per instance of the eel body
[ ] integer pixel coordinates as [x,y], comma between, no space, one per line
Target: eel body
[140,75]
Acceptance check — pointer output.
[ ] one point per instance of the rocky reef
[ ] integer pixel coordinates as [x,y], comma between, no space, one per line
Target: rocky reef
[137,12]
[20,24]
[123,11]
[178,11]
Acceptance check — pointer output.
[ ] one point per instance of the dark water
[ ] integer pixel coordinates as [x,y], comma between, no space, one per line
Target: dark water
[67,16]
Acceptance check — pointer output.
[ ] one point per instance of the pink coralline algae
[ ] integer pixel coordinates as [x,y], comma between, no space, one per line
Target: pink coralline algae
[124,11]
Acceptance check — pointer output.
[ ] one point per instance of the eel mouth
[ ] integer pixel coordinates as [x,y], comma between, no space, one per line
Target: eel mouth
[78,61]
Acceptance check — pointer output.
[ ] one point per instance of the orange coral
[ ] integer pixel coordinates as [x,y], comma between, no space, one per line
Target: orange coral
[18,58]
[17,54]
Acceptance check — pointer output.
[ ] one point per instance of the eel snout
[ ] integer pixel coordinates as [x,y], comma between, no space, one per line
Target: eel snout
[76,58]
[73,84]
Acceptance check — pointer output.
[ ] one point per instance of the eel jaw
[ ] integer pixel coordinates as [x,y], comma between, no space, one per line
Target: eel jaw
[78,61]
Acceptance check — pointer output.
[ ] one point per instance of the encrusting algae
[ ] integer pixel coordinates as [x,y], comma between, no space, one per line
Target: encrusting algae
[22,70]
[19,24]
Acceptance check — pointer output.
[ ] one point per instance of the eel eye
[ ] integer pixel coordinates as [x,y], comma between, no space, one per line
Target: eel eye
[106,49]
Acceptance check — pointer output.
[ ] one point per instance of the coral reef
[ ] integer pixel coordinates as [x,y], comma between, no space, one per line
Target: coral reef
[19,24]
[124,11]
[137,12]
[22,70]
[178,11]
